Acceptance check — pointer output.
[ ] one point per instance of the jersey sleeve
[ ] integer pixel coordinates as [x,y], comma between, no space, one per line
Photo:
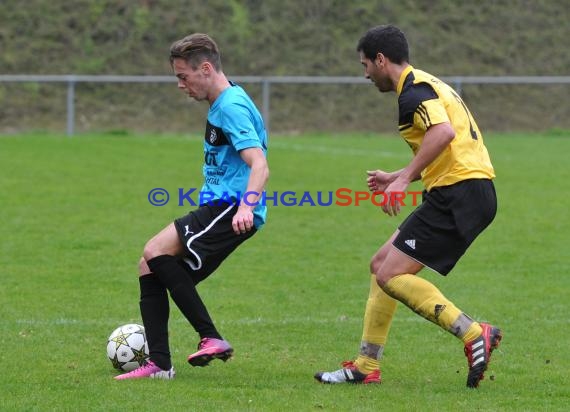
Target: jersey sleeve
[430,112]
[422,107]
[237,124]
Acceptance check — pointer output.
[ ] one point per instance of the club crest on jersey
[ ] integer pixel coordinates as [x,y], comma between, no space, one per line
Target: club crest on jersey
[215,136]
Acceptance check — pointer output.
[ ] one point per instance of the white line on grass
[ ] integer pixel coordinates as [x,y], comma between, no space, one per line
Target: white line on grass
[337,151]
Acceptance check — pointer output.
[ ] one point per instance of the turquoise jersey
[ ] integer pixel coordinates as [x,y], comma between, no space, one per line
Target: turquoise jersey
[233,124]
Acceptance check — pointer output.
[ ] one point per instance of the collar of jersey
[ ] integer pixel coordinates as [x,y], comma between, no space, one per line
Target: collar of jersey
[218,99]
[403,76]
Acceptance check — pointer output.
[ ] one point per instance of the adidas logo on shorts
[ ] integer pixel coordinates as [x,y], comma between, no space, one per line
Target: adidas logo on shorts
[411,243]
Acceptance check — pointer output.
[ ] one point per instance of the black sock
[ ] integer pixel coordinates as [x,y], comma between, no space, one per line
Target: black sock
[155,311]
[184,294]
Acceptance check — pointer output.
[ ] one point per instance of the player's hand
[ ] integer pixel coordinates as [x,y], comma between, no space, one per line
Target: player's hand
[378,180]
[394,195]
[242,221]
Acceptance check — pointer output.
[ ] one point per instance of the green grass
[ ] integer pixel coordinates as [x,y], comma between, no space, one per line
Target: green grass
[75,217]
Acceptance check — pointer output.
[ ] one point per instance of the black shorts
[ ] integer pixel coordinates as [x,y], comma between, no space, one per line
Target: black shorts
[208,238]
[449,219]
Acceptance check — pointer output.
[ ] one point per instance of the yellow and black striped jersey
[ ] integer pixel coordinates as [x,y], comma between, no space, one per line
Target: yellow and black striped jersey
[424,101]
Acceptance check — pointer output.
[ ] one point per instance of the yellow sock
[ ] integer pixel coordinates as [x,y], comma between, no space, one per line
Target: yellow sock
[473,332]
[380,309]
[426,300]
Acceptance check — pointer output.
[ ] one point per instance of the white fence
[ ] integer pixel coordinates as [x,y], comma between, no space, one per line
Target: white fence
[266,81]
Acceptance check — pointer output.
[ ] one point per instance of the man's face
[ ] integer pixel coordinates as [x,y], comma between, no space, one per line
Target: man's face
[375,70]
[192,82]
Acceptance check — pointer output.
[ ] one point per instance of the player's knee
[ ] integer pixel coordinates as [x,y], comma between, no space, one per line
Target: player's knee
[375,264]
[377,261]
[151,250]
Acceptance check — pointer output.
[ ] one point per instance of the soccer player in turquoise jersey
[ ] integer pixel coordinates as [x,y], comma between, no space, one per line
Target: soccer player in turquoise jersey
[230,212]
[225,173]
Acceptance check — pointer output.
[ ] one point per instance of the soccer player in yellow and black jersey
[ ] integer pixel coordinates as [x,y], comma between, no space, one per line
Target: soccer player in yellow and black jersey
[459,202]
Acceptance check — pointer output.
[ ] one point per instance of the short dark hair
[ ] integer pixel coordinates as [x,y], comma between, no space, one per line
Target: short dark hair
[195,49]
[388,40]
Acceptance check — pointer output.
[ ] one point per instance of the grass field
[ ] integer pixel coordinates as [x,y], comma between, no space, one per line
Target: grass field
[75,217]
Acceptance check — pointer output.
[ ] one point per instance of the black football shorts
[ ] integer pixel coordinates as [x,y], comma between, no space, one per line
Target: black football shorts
[439,231]
[208,238]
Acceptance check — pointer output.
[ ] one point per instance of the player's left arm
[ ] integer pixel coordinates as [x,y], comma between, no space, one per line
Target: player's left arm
[255,158]
[426,111]
[238,125]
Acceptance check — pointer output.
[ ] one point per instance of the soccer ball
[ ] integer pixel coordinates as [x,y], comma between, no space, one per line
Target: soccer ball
[127,348]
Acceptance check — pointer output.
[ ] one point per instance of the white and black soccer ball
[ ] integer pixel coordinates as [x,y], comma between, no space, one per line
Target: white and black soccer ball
[127,348]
